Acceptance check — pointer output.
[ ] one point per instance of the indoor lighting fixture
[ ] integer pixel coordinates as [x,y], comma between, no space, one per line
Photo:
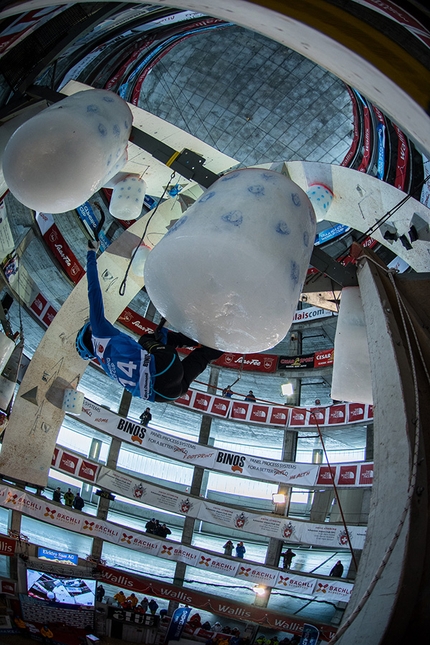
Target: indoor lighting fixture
[259,590]
[278,498]
[287,389]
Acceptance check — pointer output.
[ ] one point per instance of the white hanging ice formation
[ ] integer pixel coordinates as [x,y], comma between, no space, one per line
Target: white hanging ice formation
[230,271]
[57,159]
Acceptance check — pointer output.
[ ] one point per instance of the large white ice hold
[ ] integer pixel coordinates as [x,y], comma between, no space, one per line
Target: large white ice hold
[127,198]
[59,158]
[351,369]
[230,271]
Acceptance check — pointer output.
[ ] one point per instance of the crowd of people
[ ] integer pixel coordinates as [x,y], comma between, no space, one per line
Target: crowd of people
[240,549]
[156,528]
[263,640]
[132,602]
[222,635]
[227,393]
[74,500]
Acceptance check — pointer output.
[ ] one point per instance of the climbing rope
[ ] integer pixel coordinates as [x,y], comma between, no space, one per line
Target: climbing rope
[123,284]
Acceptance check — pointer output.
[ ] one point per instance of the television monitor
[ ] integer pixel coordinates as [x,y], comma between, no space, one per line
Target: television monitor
[61,590]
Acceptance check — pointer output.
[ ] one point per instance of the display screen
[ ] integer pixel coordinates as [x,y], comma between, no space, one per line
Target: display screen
[60,590]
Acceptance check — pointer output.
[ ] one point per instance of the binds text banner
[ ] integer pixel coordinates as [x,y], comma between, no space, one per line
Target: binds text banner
[238,464]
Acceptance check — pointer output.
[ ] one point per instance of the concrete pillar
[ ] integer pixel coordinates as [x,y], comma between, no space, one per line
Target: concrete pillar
[274,548]
[198,481]
[112,459]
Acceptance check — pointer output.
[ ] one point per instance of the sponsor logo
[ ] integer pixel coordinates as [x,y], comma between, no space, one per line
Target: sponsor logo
[186,505]
[166,550]
[50,512]
[321,588]
[88,526]
[238,612]
[11,498]
[88,471]
[126,538]
[5,547]
[288,530]
[119,580]
[139,491]
[204,560]
[237,462]
[176,595]
[343,537]
[136,430]
[240,521]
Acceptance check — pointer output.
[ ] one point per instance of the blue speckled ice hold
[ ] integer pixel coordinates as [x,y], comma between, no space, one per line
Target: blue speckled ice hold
[57,159]
[236,253]
[132,209]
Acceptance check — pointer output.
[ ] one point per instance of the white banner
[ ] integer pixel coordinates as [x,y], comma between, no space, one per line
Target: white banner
[56,514]
[259,524]
[241,465]
[295,584]
[333,591]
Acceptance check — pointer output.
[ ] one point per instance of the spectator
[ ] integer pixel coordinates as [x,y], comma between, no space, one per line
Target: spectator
[206,625]
[21,625]
[69,497]
[78,502]
[100,593]
[337,570]
[120,598]
[240,550]
[153,606]
[288,556]
[132,599]
[146,417]
[250,396]
[163,531]
[228,548]
[195,621]
[151,526]
[56,495]
[144,604]
[216,627]
[227,392]
[46,634]
[163,613]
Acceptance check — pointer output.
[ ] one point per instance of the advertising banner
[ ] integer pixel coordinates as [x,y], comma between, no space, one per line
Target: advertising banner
[220,606]
[295,362]
[250,362]
[333,591]
[324,357]
[61,251]
[177,624]
[184,451]
[232,518]
[295,584]
[311,313]
[7,546]
[43,509]
[57,556]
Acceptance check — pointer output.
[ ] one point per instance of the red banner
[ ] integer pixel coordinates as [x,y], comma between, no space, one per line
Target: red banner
[7,546]
[217,605]
[63,254]
[250,362]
